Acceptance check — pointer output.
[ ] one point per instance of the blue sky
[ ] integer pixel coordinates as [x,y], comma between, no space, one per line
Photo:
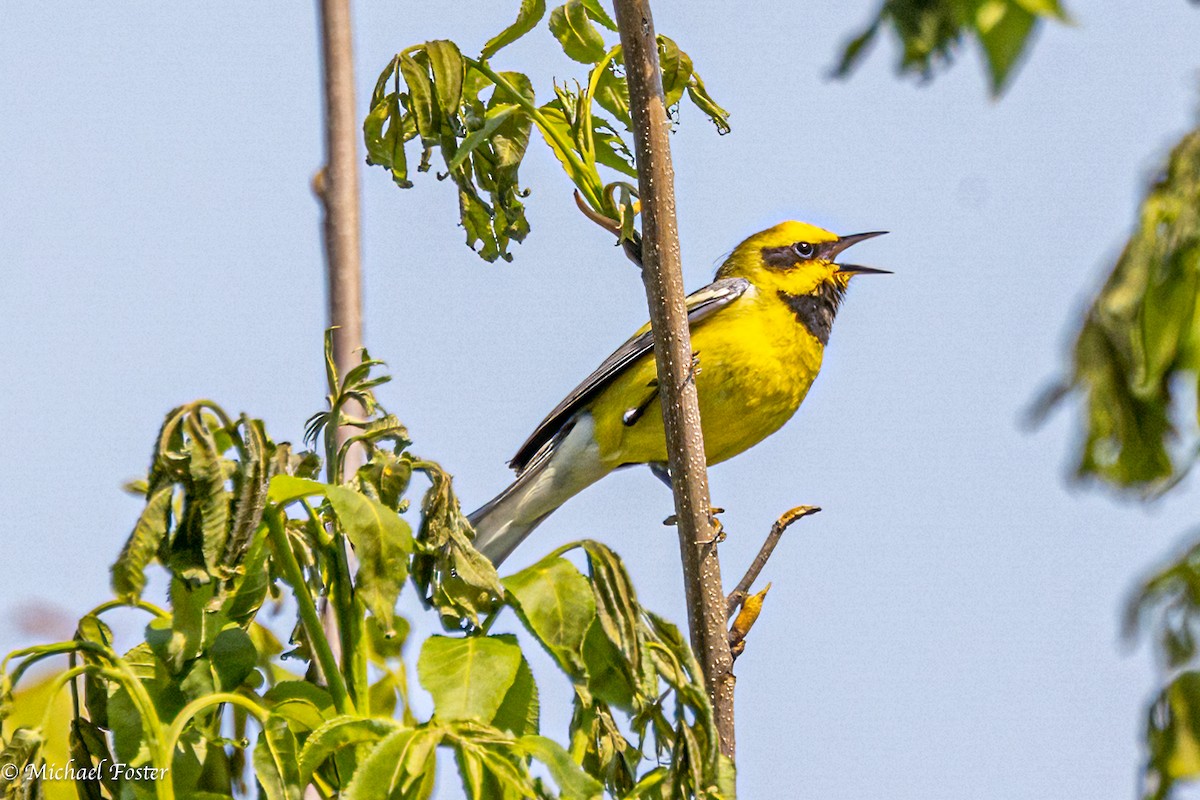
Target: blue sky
[947,627]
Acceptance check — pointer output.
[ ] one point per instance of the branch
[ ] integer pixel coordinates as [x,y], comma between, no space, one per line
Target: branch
[663,276]
[337,187]
[742,590]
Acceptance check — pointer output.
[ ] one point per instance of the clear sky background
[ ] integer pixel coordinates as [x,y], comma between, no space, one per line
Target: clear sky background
[947,627]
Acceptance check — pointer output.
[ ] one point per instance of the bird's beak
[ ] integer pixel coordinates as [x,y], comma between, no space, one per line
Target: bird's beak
[845,242]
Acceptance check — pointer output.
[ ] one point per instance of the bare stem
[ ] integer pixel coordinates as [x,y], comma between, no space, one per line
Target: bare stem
[337,187]
[663,276]
[742,590]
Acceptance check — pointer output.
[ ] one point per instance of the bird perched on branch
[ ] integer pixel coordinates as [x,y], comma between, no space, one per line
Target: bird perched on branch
[758,335]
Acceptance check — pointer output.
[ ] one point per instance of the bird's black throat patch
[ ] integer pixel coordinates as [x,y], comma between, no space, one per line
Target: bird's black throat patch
[816,310]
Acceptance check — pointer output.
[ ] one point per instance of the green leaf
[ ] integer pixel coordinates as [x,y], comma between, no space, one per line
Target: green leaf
[519,713]
[699,95]
[340,732]
[275,762]
[304,705]
[447,65]
[676,68]
[1139,339]
[401,767]
[233,657]
[493,119]
[530,13]
[129,571]
[555,602]
[420,98]
[573,782]
[286,489]
[572,26]
[452,575]
[612,92]
[20,750]
[382,542]
[1004,31]
[1173,733]
[468,677]
[596,12]
[611,150]
[204,525]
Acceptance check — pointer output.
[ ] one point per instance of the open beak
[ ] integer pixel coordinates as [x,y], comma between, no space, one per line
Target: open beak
[845,242]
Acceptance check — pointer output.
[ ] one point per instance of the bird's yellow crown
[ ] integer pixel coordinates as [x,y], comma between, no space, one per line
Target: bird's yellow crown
[793,257]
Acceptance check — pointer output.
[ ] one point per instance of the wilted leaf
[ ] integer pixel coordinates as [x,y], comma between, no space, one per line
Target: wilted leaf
[129,570]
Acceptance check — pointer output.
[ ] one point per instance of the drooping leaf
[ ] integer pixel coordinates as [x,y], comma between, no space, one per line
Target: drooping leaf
[451,574]
[446,64]
[421,98]
[530,13]
[129,570]
[676,68]
[339,732]
[382,543]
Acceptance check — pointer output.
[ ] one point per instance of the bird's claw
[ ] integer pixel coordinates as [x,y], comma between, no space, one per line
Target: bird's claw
[718,529]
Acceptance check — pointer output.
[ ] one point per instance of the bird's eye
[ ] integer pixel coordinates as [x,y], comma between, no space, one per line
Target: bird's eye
[804,249]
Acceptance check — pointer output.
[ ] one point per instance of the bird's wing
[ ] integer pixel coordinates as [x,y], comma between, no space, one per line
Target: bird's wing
[701,305]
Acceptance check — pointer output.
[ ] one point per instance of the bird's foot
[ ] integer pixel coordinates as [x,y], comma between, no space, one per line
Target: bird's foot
[718,529]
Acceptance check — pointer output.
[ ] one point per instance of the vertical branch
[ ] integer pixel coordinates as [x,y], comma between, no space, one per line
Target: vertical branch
[663,276]
[337,187]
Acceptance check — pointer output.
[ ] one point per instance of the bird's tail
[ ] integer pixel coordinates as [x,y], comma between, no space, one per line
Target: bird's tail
[570,466]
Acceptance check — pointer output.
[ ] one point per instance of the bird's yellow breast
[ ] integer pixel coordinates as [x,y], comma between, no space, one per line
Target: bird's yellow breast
[755,364]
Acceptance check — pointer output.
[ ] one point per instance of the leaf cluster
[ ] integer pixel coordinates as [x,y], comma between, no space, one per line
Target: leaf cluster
[931,32]
[1139,340]
[213,698]
[480,119]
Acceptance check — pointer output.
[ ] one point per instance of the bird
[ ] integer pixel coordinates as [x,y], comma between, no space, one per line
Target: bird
[758,334]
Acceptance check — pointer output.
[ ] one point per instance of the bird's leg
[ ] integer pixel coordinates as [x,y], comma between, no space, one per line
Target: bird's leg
[718,529]
[693,368]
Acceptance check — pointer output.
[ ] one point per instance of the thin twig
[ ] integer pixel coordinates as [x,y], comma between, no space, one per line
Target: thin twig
[662,274]
[742,590]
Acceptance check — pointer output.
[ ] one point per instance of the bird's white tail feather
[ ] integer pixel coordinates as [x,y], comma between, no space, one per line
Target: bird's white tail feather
[572,466]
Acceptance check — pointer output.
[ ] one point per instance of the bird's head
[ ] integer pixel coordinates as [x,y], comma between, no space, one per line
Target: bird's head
[796,258]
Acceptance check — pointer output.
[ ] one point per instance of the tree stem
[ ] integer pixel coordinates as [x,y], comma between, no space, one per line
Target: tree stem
[663,276]
[338,189]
